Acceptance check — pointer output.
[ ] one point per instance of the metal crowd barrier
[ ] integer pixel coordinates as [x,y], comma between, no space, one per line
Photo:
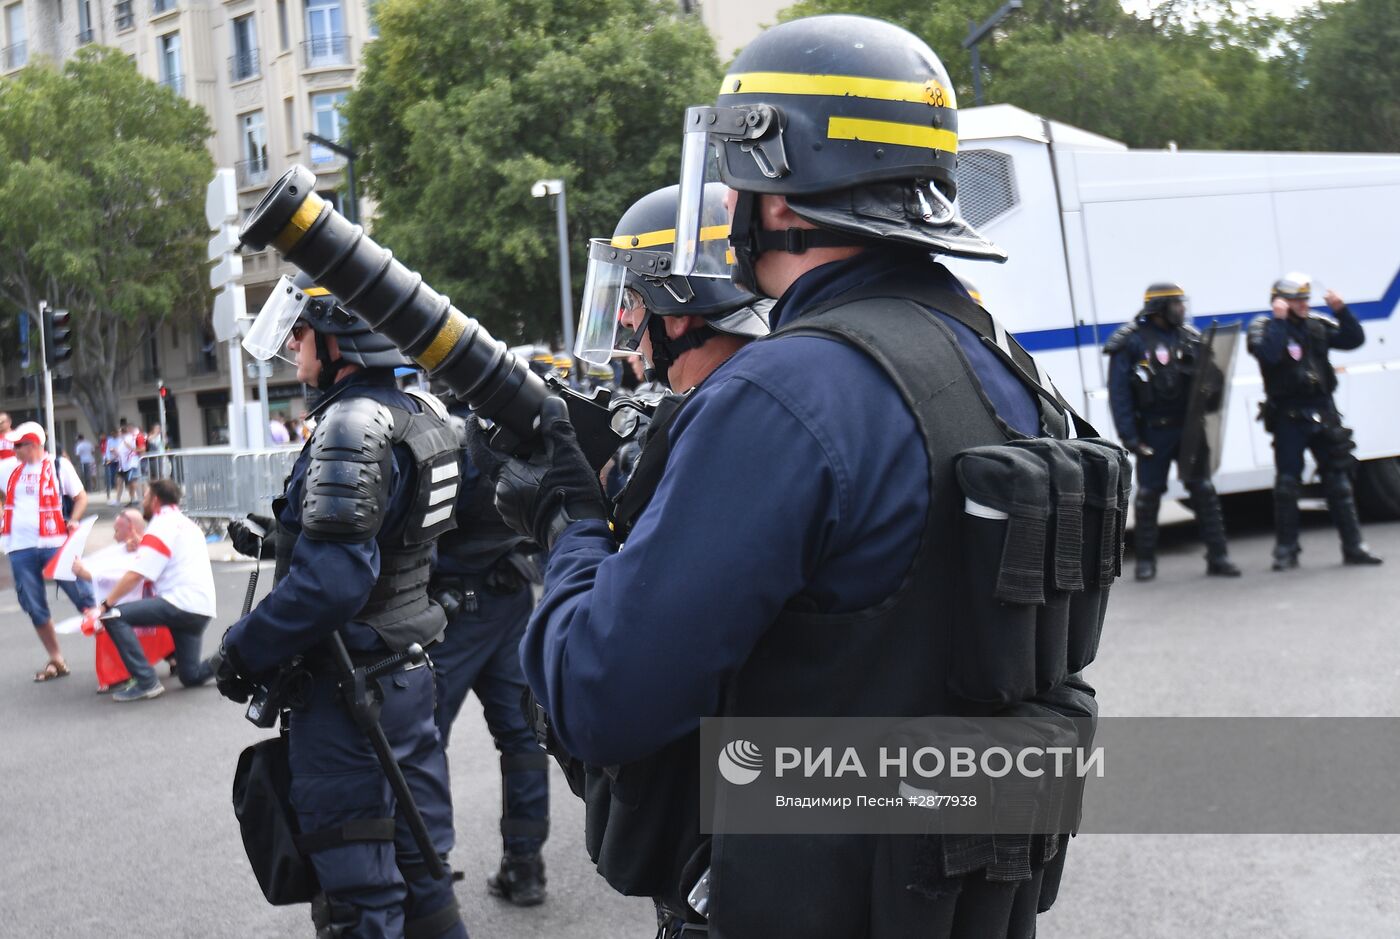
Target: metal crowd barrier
[220,483]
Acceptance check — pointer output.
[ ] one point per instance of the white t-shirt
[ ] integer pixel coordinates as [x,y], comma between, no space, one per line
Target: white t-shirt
[83,449]
[107,565]
[174,558]
[24,530]
[127,453]
[109,453]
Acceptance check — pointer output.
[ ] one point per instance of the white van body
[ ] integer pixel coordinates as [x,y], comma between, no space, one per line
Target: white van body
[1089,223]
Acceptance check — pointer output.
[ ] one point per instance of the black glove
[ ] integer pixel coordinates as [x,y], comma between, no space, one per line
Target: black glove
[487,459]
[229,678]
[540,496]
[246,543]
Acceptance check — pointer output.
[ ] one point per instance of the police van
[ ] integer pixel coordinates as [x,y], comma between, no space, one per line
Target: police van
[1089,223]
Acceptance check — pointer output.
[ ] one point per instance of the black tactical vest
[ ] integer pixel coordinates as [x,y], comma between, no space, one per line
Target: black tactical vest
[1163,368]
[993,617]
[1308,378]
[481,539]
[398,607]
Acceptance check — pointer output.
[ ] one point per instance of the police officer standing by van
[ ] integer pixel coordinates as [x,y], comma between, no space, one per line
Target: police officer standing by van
[793,559]
[354,534]
[1292,344]
[1152,361]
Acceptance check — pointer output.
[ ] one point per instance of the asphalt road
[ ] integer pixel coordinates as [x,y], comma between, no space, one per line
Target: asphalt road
[115,819]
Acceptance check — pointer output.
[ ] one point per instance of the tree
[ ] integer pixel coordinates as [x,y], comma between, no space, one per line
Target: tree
[462,107]
[1351,67]
[102,176]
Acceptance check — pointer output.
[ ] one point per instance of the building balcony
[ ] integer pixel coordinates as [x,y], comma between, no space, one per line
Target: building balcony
[326,51]
[15,56]
[122,16]
[249,173]
[85,36]
[175,83]
[244,65]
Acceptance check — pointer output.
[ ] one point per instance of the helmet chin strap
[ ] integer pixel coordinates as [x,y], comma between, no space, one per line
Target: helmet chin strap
[665,350]
[325,378]
[749,239]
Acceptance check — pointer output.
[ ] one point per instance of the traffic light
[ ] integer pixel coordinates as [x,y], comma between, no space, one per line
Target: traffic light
[58,341]
[164,391]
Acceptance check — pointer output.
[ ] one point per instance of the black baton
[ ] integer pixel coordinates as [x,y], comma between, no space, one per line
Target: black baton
[354,685]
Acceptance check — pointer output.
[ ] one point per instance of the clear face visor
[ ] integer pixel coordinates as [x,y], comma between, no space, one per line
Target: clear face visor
[267,337]
[702,218]
[613,314]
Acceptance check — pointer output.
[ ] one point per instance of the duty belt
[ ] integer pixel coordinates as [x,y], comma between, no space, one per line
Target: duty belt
[1159,422]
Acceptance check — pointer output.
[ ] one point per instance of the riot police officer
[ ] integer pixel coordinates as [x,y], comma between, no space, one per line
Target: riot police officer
[355,529]
[482,578]
[1151,363]
[791,557]
[1292,344]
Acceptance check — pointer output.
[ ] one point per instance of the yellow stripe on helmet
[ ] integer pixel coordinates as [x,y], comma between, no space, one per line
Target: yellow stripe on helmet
[891,132]
[316,292]
[1163,294]
[929,92]
[667,236]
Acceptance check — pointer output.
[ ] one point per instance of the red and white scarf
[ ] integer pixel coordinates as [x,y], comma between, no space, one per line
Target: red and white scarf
[52,528]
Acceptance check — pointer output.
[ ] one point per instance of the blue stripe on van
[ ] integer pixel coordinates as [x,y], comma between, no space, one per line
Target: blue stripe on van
[1048,340]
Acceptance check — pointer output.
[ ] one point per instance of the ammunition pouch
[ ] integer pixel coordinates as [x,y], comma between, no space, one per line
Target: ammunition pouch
[1042,525]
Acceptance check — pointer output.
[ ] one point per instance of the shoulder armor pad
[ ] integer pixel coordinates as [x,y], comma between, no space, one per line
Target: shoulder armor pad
[1190,332]
[431,402]
[1120,338]
[1325,320]
[347,478]
[1258,325]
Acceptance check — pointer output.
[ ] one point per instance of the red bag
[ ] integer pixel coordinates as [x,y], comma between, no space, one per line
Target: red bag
[156,642]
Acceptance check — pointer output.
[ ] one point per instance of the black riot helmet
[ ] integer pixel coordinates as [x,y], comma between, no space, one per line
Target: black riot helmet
[853,120]
[1167,301]
[300,300]
[631,272]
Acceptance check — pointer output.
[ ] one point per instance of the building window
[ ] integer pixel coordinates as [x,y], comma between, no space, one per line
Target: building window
[168,54]
[326,42]
[17,37]
[243,64]
[252,135]
[282,25]
[372,7]
[327,122]
[84,21]
[161,6]
[124,17]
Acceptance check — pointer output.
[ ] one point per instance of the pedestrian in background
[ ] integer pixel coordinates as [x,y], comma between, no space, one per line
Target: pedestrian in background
[83,449]
[32,529]
[172,557]
[110,464]
[129,458]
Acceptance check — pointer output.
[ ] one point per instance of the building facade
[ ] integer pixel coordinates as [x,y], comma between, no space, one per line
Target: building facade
[267,72]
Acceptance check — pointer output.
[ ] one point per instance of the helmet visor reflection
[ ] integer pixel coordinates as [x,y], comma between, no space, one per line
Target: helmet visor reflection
[267,337]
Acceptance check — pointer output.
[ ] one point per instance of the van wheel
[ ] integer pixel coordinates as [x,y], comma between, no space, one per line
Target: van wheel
[1378,489]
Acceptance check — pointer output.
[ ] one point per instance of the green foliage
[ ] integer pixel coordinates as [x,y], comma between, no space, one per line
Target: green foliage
[102,176]
[462,107]
[1207,74]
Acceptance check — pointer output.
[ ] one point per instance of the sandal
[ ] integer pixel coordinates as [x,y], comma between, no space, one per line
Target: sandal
[53,670]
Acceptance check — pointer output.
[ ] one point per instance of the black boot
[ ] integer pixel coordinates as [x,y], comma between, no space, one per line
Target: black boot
[520,880]
[1210,523]
[1341,503]
[1286,522]
[1145,509]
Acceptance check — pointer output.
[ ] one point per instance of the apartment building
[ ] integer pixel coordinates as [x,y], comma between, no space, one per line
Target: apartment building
[267,72]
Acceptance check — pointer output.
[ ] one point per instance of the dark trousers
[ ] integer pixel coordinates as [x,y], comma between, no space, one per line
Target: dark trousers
[187,629]
[1292,437]
[1152,471]
[374,888]
[481,651]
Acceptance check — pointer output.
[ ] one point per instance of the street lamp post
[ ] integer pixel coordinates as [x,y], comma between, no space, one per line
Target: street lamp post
[976,34]
[555,187]
[352,202]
